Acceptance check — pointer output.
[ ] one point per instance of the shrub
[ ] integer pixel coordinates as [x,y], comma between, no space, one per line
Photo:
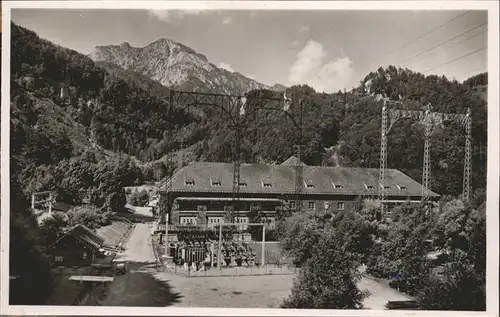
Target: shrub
[139,198]
[327,280]
[88,218]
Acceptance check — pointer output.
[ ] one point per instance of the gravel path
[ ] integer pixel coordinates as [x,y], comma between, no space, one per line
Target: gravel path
[138,248]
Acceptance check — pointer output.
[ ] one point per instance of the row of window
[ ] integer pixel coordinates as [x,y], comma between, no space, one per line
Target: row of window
[216,183]
[60,259]
[220,206]
[188,221]
[193,220]
[311,205]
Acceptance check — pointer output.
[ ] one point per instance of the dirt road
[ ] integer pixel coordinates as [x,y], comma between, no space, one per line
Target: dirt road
[138,287]
[138,248]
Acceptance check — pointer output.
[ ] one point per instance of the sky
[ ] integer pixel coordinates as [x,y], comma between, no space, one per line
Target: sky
[328,49]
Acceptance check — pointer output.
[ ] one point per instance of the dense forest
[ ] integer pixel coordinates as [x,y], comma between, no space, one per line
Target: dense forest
[76,124]
[331,248]
[117,111]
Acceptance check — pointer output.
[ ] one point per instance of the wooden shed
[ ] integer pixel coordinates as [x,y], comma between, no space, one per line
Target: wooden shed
[79,246]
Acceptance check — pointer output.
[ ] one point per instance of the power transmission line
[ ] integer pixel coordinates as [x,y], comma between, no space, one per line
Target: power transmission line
[456,59]
[446,41]
[422,36]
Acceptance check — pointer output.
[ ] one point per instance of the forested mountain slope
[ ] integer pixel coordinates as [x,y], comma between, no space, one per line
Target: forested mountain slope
[108,109]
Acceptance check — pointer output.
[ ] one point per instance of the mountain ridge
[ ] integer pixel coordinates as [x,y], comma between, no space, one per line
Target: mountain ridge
[177,66]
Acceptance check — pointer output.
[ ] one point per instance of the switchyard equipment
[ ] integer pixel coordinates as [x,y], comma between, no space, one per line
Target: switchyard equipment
[430,120]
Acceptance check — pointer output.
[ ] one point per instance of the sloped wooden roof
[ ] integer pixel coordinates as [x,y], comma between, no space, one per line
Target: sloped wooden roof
[85,235]
[320,180]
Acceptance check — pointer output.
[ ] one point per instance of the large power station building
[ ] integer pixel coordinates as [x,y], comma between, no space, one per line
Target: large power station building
[202,192]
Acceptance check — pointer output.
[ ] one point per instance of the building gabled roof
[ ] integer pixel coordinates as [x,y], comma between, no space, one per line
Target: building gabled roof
[85,235]
[280,179]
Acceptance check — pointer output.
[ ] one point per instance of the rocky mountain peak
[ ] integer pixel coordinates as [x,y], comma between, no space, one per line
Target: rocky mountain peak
[177,66]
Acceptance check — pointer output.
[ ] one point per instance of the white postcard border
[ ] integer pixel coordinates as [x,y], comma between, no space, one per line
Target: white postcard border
[492,164]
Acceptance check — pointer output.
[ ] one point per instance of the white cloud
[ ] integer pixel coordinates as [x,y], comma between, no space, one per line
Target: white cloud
[303,28]
[295,43]
[226,66]
[227,20]
[171,15]
[312,68]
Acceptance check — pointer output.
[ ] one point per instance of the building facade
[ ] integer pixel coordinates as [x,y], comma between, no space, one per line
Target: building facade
[79,246]
[201,194]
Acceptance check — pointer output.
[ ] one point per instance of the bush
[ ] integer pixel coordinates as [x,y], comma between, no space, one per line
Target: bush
[327,280]
[139,198]
[31,267]
[88,218]
[461,288]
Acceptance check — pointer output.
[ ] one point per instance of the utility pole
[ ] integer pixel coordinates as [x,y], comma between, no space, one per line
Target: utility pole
[168,208]
[219,255]
[167,256]
[50,204]
[167,253]
[263,246]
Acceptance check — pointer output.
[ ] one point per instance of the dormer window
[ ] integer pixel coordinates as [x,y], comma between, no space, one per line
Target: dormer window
[401,187]
[337,186]
[215,182]
[266,184]
[385,187]
[243,184]
[309,184]
[189,182]
[369,187]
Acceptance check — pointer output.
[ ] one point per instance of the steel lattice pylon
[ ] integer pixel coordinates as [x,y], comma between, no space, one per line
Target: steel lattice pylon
[299,168]
[467,186]
[430,120]
[426,167]
[383,158]
[299,180]
[236,175]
